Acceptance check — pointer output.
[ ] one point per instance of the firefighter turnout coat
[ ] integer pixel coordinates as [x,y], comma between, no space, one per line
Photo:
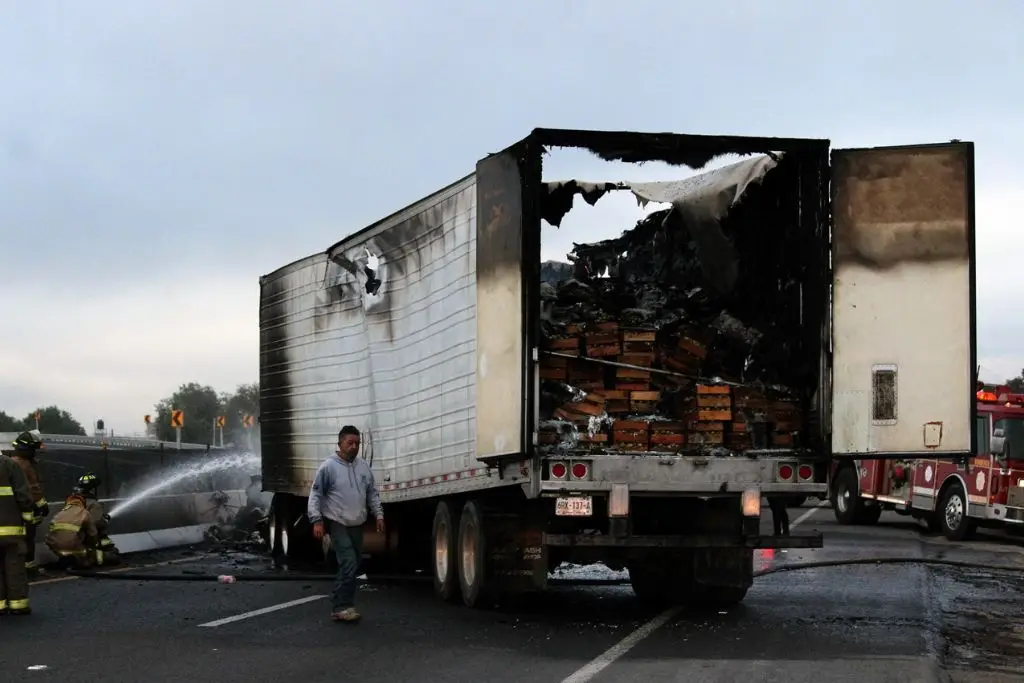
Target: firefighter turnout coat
[40,505]
[72,532]
[16,507]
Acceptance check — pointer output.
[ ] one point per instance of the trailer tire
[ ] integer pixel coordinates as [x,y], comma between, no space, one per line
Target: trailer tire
[846,502]
[444,565]
[277,530]
[952,514]
[473,579]
[652,585]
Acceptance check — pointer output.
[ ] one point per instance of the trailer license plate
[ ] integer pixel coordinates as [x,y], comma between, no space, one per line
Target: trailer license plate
[575,506]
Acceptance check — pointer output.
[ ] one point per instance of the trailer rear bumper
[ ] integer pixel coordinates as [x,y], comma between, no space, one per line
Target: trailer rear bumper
[682,488]
[683,474]
[811,540]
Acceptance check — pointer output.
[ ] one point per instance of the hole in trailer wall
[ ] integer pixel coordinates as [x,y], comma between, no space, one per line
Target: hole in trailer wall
[640,286]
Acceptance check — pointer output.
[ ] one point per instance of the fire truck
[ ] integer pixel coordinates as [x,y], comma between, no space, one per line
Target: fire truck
[951,495]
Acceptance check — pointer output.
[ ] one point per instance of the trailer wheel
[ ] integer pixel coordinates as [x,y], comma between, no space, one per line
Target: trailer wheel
[446,581]
[277,530]
[652,585]
[846,502]
[473,579]
[952,514]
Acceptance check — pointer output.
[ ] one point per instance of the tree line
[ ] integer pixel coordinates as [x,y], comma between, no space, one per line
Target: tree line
[201,406]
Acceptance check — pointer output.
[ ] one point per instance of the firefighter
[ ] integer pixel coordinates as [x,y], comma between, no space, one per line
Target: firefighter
[87,487]
[25,448]
[16,510]
[73,536]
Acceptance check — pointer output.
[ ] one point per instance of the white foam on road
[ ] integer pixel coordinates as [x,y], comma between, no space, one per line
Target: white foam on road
[261,611]
[616,651]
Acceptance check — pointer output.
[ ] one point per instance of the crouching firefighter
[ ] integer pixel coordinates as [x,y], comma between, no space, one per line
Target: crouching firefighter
[106,552]
[16,511]
[73,536]
[26,447]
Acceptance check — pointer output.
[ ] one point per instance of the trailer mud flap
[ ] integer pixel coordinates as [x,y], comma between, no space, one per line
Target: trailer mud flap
[732,567]
[518,556]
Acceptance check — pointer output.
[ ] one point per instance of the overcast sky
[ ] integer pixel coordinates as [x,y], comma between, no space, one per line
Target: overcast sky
[157,157]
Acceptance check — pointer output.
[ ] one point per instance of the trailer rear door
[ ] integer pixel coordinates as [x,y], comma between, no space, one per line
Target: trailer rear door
[903,300]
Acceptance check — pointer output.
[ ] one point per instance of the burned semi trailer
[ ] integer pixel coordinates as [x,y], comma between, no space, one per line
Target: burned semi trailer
[633,403]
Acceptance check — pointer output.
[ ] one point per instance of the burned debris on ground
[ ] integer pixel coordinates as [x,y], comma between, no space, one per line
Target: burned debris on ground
[644,351]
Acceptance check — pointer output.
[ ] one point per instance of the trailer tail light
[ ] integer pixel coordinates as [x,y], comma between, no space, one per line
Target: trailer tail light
[580,470]
[558,470]
[785,472]
[805,472]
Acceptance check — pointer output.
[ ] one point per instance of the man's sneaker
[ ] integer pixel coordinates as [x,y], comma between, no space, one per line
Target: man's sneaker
[349,614]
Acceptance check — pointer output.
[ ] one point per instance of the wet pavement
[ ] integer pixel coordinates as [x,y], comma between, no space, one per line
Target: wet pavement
[866,623]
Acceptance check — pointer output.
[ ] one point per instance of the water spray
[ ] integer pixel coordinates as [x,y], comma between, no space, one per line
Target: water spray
[245,461]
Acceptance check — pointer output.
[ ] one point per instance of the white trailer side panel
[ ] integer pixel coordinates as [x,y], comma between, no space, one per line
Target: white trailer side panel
[396,358]
[903,300]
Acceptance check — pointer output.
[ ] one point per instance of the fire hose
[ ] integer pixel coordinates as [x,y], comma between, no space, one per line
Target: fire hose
[390,578]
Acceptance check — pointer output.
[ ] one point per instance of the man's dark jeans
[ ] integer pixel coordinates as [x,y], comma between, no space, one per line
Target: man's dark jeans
[347,542]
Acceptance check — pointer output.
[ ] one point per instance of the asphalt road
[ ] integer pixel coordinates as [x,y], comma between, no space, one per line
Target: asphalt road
[861,623]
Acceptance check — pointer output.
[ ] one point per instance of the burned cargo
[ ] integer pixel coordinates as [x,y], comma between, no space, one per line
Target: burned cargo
[682,334]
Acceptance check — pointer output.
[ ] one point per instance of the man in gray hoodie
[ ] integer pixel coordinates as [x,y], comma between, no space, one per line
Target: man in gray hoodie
[343,491]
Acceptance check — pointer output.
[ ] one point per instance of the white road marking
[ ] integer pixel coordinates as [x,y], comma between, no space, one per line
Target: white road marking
[616,651]
[264,610]
[598,664]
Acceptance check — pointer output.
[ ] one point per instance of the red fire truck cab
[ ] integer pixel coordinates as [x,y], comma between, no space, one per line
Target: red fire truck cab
[953,496]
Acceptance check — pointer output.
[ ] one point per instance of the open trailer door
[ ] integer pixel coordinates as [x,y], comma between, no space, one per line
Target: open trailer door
[903,328]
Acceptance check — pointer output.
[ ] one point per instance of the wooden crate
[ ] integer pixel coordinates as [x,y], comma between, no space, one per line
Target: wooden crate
[782,440]
[667,435]
[564,344]
[555,374]
[602,345]
[615,401]
[644,401]
[692,347]
[706,438]
[645,360]
[631,434]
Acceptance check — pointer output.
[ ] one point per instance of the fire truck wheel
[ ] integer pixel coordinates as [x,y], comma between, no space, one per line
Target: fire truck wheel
[952,514]
[444,556]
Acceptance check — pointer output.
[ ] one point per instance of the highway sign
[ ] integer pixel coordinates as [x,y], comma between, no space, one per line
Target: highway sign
[220,420]
[177,418]
[247,421]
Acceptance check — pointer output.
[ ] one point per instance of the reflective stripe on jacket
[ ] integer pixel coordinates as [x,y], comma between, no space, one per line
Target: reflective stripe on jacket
[15,499]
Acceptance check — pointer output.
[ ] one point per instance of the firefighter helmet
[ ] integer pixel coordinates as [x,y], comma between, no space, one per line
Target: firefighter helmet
[30,440]
[87,484]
